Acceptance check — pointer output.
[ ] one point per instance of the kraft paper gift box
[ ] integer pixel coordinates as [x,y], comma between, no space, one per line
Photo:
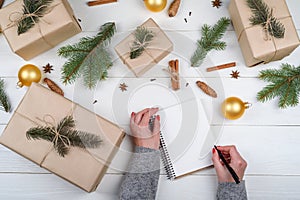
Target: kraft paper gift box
[82,167]
[158,48]
[57,25]
[252,39]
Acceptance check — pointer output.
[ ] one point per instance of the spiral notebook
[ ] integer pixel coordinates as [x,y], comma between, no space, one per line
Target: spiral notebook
[190,151]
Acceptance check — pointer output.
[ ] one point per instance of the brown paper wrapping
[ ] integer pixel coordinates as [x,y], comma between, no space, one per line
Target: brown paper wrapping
[57,25]
[82,167]
[251,38]
[159,48]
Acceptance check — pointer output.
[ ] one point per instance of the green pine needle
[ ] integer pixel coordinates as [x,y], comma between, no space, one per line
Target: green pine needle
[65,128]
[210,40]
[4,100]
[261,13]
[88,58]
[36,7]
[142,39]
[285,84]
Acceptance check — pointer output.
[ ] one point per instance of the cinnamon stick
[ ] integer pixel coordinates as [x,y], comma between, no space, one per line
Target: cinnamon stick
[100,2]
[174,70]
[1,3]
[224,66]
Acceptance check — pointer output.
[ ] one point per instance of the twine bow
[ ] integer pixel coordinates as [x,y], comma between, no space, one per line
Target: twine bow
[25,15]
[268,29]
[174,75]
[52,125]
[138,45]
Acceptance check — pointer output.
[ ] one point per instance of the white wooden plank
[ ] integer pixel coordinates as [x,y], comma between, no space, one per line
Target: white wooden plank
[184,46]
[46,186]
[202,12]
[268,150]
[107,92]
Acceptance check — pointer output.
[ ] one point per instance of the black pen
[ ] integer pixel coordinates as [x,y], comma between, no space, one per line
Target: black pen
[232,172]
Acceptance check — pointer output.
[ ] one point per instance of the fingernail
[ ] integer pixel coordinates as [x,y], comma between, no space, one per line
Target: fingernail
[132,114]
[213,150]
[158,117]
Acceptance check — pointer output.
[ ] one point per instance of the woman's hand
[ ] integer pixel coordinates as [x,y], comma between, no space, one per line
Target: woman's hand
[233,158]
[140,130]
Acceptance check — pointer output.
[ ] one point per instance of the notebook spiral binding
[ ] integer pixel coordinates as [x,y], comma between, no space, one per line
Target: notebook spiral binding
[166,158]
[164,153]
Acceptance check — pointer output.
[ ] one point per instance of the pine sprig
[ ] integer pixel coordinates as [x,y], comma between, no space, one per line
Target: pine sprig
[261,14]
[285,84]
[68,134]
[210,40]
[4,100]
[143,37]
[32,11]
[89,57]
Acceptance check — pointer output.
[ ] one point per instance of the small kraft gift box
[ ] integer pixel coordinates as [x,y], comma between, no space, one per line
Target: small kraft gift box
[54,26]
[62,137]
[259,43]
[157,49]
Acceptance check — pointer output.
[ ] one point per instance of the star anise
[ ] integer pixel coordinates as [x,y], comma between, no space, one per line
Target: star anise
[48,68]
[123,87]
[235,74]
[216,3]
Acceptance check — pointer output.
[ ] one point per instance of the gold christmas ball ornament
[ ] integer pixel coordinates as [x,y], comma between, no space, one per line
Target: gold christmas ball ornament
[27,74]
[155,5]
[233,108]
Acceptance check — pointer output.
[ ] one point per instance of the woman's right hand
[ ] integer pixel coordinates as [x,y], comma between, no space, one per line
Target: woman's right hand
[233,158]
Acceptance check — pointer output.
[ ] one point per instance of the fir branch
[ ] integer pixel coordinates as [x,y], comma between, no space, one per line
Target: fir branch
[262,14]
[285,84]
[4,100]
[32,11]
[67,136]
[142,39]
[88,57]
[210,40]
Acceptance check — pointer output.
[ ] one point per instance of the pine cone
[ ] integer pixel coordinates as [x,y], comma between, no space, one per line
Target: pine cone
[206,89]
[53,86]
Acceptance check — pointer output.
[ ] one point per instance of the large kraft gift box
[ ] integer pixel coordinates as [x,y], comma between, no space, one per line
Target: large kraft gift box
[82,167]
[252,39]
[158,48]
[57,25]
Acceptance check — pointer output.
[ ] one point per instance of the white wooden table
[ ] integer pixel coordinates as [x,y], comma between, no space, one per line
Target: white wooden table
[268,137]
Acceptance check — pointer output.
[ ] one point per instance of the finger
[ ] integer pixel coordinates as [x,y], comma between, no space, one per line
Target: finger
[153,111]
[156,127]
[146,117]
[231,150]
[132,118]
[139,115]
[216,161]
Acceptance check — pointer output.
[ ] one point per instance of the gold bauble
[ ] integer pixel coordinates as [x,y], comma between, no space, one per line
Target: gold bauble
[27,74]
[155,5]
[233,108]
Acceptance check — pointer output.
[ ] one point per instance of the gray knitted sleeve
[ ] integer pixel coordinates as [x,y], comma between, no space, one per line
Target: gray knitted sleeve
[227,191]
[141,179]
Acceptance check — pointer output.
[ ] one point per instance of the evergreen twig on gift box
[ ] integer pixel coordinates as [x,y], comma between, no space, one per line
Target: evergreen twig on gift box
[210,40]
[263,15]
[142,39]
[64,135]
[32,11]
[89,57]
[4,101]
[285,84]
